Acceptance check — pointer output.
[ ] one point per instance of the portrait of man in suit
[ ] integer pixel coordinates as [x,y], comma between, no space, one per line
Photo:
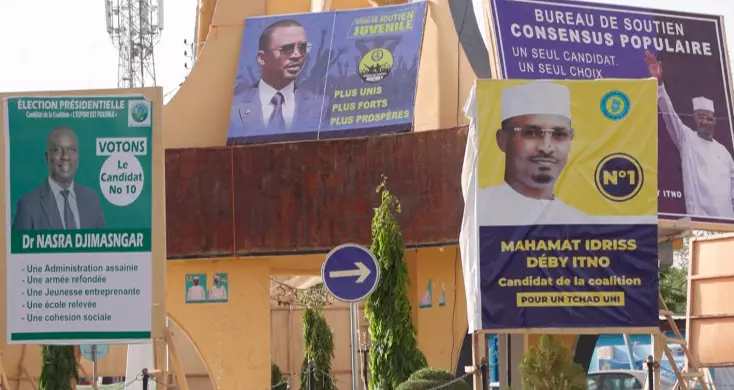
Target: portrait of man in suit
[275,104]
[59,203]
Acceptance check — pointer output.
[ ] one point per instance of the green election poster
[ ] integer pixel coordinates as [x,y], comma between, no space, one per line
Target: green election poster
[195,288]
[79,215]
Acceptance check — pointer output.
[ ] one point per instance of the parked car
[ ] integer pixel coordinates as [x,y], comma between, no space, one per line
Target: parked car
[623,380]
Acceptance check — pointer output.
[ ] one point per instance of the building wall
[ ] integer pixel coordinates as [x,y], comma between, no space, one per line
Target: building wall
[198,115]
[441,329]
[234,339]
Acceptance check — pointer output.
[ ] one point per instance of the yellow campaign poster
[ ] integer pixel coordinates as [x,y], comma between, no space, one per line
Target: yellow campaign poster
[567,203]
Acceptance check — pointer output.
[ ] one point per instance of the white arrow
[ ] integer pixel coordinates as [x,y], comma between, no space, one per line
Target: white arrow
[362,271]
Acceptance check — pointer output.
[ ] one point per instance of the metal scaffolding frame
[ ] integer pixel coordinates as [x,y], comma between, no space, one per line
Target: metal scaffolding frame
[135,28]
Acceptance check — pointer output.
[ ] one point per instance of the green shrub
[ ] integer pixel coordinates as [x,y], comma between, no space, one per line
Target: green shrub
[549,367]
[433,374]
[419,384]
[275,375]
[430,378]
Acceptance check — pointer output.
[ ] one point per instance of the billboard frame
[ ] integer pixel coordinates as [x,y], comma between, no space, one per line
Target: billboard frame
[351,131]
[670,228]
[161,334]
[684,222]
[721,282]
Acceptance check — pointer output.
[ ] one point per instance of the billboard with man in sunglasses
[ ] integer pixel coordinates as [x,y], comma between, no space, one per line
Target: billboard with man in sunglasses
[327,75]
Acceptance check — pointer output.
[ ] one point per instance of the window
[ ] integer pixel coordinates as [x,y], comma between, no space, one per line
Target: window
[592,382]
[619,381]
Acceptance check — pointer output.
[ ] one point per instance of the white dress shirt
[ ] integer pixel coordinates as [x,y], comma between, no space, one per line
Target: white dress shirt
[195,293]
[708,167]
[289,103]
[56,189]
[501,205]
[217,292]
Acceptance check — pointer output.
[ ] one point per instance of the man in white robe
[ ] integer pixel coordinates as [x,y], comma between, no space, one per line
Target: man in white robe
[535,136]
[708,167]
[196,292]
[217,292]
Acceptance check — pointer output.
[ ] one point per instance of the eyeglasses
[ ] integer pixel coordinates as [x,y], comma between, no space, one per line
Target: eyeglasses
[705,117]
[287,50]
[536,133]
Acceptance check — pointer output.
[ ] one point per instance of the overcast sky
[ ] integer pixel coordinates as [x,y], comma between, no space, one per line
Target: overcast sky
[60,45]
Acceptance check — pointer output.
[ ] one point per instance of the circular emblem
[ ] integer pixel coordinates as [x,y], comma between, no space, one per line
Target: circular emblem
[140,112]
[375,65]
[619,177]
[615,105]
[121,179]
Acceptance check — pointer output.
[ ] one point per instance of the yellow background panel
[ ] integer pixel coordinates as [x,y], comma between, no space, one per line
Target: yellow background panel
[595,138]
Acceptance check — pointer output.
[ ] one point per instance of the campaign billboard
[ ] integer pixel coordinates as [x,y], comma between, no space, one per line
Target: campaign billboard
[579,40]
[79,215]
[327,75]
[565,205]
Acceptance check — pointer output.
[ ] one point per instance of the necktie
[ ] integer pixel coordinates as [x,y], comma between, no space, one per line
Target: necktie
[276,121]
[68,216]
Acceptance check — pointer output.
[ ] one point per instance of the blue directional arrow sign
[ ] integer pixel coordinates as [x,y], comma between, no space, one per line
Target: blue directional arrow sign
[350,272]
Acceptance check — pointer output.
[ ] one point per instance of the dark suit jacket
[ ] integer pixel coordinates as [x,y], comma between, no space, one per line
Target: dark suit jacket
[38,210]
[246,118]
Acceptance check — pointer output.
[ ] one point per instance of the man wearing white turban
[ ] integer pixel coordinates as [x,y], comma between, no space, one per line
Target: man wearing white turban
[535,136]
[708,168]
[218,292]
[196,292]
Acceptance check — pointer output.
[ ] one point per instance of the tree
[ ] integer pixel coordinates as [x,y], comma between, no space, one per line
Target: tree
[673,288]
[59,368]
[549,366]
[394,353]
[674,280]
[318,342]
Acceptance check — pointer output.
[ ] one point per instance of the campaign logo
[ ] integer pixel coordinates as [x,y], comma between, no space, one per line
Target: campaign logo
[619,177]
[615,105]
[138,113]
[375,65]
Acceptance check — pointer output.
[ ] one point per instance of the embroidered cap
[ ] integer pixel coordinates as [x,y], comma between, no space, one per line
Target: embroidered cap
[536,98]
[701,103]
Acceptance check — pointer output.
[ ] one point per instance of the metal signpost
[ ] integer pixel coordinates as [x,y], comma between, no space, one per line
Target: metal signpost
[351,273]
[94,352]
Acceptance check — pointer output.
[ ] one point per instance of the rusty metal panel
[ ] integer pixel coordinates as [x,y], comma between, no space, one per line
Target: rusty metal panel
[311,196]
[199,202]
